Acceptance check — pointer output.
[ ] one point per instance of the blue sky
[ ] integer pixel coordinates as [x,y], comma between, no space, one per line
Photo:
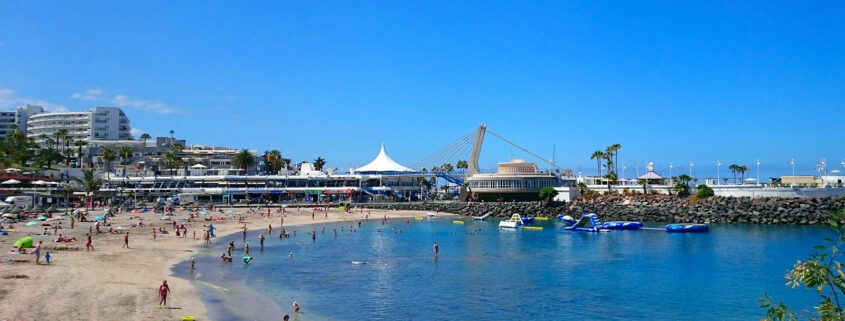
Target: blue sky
[730,81]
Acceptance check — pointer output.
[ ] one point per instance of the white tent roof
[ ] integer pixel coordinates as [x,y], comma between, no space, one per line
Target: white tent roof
[650,175]
[383,163]
[199,166]
[10,182]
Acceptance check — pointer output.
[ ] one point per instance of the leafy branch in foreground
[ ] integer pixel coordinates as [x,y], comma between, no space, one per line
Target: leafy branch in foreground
[822,272]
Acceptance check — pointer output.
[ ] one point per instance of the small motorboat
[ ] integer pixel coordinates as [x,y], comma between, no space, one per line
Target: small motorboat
[566,219]
[514,222]
[623,225]
[687,228]
[431,214]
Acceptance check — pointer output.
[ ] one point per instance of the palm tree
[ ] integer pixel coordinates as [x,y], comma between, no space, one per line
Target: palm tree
[462,164]
[244,160]
[273,159]
[742,169]
[608,157]
[734,169]
[582,188]
[60,136]
[79,144]
[616,147]
[177,147]
[108,155]
[91,184]
[47,156]
[173,161]
[125,154]
[446,167]
[318,163]
[145,137]
[68,141]
[611,177]
[598,155]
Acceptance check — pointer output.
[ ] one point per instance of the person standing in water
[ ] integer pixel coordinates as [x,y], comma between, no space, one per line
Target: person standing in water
[436,249]
[261,240]
[246,249]
[314,234]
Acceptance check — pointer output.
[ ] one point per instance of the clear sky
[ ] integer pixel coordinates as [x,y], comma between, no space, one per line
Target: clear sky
[731,81]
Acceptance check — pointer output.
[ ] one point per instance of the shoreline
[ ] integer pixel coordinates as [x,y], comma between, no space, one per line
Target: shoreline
[112,283]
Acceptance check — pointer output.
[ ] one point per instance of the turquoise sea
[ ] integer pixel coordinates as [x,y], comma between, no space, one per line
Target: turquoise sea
[484,273]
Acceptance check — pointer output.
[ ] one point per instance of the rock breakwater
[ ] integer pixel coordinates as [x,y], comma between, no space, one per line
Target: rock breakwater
[652,208]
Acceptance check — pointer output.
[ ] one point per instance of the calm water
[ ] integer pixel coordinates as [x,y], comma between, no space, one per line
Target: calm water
[500,274]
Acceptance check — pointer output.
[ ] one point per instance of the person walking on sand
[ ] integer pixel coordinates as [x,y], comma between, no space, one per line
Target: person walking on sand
[154,234]
[38,252]
[125,241]
[163,290]
[89,246]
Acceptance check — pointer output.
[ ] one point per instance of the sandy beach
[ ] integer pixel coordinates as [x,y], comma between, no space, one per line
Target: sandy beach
[115,283]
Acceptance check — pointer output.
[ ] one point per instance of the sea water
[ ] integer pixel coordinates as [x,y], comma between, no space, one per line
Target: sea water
[485,273]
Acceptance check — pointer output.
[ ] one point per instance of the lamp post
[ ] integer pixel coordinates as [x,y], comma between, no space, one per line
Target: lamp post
[670,173]
[758,171]
[792,163]
[624,168]
[718,172]
[690,168]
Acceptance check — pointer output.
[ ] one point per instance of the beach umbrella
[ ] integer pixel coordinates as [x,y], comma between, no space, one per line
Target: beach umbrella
[12,170]
[42,218]
[39,182]
[166,217]
[100,218]
[26,208]
[10,215]
[33,223]
[10,182]
[24,241]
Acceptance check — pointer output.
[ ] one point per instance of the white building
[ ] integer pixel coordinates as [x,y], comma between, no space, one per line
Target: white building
[18,117]
[100,123]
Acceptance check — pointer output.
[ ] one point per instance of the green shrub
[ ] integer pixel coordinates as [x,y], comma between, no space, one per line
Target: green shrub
[704,191]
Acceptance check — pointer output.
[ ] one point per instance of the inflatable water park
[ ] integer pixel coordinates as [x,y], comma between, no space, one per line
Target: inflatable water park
[590,222]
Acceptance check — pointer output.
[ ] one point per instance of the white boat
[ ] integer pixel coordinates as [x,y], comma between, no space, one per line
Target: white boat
[514,222]
[430,214]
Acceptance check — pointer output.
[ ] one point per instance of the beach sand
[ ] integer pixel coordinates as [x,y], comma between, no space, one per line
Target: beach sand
[114,283]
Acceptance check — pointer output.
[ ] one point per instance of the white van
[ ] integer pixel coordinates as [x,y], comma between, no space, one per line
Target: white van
[19,201]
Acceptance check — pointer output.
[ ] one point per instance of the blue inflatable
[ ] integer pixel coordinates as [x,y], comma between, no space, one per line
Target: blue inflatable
[527,220]
[622,225]
[587,223]
[566,219]
[687,228]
